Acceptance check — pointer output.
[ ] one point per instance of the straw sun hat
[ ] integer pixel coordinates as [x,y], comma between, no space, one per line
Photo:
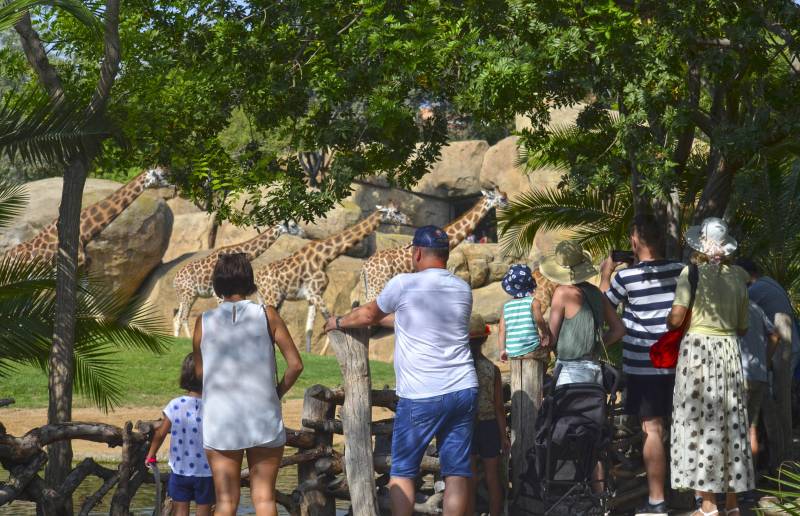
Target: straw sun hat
[711,238]
[568,264]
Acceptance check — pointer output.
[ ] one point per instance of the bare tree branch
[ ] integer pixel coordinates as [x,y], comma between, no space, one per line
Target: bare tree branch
[37,58]
[111,58]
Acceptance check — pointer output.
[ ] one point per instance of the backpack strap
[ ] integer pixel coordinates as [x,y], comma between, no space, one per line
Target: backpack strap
[597,316]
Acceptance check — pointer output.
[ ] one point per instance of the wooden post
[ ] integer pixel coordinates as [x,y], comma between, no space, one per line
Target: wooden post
[315,502]
[527,376]
[351,350]
[778,409]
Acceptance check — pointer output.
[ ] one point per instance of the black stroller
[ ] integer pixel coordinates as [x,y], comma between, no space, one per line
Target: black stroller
[573,435]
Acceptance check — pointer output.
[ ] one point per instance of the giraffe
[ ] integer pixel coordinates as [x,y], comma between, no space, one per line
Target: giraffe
[382,266]
[94,218]
[194,280]
[302,275]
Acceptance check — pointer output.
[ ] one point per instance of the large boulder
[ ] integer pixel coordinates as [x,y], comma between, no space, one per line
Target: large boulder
[391,240]
[421,210]
[479,264]
[341,217]
[488,302]
[125,252]
[191,228]
[457,172]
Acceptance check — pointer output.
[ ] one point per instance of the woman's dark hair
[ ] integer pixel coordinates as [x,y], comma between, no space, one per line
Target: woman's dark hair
[233,275]
[189,380]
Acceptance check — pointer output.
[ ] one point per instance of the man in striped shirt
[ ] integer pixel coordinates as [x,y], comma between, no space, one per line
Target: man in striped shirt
[646,289]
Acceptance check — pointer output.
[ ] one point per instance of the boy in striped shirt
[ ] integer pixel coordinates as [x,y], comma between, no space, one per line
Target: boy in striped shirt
[518,332]
[646,289]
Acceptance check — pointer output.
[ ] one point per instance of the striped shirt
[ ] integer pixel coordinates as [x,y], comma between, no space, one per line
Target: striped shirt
[647,289]
[521,334]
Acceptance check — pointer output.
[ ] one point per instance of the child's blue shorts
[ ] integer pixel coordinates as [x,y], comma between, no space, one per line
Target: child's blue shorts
[186,489]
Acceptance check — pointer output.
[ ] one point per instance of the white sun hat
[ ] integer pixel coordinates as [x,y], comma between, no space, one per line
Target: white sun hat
[711,238]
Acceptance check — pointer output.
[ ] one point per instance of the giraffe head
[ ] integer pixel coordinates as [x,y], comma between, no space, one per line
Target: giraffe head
[495,198]
[156,177]
[390,214]
[290,227]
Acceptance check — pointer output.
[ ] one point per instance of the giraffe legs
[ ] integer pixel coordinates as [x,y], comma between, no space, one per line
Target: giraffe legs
[315,303]
[181,319]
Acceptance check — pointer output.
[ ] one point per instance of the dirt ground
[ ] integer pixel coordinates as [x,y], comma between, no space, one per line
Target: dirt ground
[20,421]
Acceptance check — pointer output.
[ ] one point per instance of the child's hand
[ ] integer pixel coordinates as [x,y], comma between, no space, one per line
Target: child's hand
[505,444]
[504,356]
[150,461]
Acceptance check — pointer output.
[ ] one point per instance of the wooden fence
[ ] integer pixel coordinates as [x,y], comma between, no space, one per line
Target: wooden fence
[325,475]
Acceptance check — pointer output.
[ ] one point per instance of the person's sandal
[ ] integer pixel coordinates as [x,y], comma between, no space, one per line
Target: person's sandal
[704,513]
[731,511]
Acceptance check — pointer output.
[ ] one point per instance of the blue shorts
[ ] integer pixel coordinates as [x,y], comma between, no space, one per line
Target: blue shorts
[186,489]
[449,418]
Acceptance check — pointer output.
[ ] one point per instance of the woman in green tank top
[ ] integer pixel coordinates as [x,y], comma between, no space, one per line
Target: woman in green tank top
[577,314]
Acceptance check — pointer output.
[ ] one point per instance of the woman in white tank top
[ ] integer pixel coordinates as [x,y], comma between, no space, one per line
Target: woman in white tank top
[235,355]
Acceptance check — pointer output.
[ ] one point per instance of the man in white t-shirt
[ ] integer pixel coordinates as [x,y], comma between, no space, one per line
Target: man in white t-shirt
[436,380]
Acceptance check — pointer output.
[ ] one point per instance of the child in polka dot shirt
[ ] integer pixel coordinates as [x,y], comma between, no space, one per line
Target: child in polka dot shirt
[183,421]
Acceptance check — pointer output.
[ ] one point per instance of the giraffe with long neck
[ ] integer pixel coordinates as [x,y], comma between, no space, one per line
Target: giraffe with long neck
[94,219]
[382,266]
[194,279]
[301,275]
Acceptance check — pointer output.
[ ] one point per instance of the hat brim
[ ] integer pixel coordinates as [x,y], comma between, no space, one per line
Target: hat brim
[694,240]
[557,273]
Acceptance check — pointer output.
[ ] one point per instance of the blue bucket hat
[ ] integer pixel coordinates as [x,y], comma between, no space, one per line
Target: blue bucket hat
[432,237]
[518,281]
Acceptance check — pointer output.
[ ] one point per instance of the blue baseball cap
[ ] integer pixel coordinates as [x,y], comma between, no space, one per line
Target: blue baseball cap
[432,237]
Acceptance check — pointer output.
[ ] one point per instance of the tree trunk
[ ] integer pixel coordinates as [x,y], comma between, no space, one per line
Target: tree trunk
[673,249]
[527,377]
[717,191]
[60,381]
[314,502]
[351,349]
[777,411]
[61,352]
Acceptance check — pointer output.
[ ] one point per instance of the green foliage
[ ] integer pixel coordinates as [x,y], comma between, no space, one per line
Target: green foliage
[37,130]
[11,12]
[151,380]
[654,80]
[788,490]
[344,76]
[105,323]
[599,220]
[768,221]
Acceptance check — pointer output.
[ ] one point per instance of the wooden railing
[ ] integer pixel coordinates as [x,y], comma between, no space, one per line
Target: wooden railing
[325,474]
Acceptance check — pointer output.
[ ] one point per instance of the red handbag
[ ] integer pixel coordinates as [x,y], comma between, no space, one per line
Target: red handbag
[664,353]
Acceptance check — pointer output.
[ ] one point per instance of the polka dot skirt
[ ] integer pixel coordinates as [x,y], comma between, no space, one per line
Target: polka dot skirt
[710,449]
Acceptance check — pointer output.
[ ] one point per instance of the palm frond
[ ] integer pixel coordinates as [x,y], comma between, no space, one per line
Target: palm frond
[40,130]
[560,137]
[598,220]
[105,323]
[13,201]
[767,219]
[12,11]
[788,488]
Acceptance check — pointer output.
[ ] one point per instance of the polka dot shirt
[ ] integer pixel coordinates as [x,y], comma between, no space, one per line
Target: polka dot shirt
[186,454]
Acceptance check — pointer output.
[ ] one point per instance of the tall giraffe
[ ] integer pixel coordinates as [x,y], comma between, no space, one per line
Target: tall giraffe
[94,218]
[301,275]
[194,279]
[382,266]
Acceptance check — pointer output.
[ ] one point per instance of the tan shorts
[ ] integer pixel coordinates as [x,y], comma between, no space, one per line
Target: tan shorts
[755,398]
